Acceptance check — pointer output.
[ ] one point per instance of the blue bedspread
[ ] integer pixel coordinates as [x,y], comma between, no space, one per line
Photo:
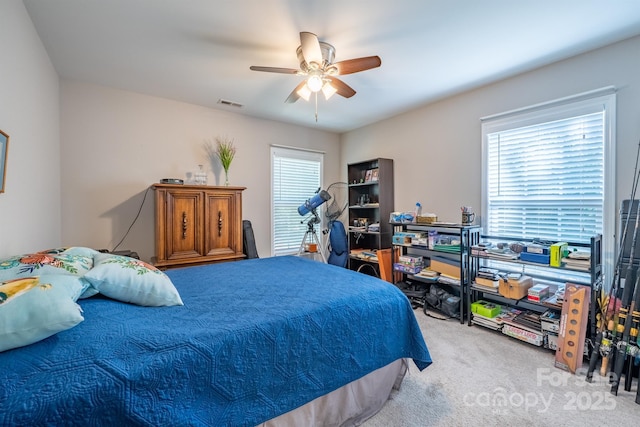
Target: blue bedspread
[255,339]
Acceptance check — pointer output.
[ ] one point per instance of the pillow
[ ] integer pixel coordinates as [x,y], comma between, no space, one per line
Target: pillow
[72,261]
[81,251]
[130,280]
[89,292]
[34,308]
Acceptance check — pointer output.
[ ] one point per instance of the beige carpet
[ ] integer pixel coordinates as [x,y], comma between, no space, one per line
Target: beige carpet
[483,378]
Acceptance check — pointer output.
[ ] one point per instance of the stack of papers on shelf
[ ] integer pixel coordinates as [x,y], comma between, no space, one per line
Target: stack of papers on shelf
[365,254]
[487,285]
[487,322]
[489,273]
[488,279]
[528,320]
[579,260]
[374,227]
[496,323]
[427,273]
[502,253]
[448,280]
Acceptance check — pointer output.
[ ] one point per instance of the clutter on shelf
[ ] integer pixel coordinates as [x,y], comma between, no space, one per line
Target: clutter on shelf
[557,254]
[415,217]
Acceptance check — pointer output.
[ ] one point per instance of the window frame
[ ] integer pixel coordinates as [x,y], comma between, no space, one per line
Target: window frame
[301,154]
[598,100]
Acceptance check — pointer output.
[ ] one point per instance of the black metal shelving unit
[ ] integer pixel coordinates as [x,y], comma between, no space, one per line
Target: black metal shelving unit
[467,235]
[542,273]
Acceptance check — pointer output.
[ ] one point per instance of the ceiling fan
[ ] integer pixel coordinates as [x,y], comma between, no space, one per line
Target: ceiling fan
[316,63]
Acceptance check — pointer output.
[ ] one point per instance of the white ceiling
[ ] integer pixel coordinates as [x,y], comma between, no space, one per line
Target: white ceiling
[199,51]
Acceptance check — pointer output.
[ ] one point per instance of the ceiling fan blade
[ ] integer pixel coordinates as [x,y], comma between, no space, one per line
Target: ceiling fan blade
[274,69]
[350,66]
[310,48]
[294,96]
[342,88]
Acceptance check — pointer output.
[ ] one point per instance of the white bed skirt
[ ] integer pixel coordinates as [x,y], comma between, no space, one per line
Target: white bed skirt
[351,404]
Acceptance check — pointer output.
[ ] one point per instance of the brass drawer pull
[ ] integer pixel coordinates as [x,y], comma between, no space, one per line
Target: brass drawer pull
[184,225]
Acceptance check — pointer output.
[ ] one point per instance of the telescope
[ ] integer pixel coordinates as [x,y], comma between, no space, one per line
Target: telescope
[311,204]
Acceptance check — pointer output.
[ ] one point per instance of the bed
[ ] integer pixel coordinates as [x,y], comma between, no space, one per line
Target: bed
[271,341]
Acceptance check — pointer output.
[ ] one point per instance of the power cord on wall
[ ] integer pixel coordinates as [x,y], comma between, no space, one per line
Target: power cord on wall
[134,221]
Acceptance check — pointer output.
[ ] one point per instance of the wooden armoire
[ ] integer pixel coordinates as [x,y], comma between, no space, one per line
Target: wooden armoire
[197,224]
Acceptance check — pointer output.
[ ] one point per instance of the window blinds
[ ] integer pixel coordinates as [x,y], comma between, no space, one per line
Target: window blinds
[547,180]
[296,176]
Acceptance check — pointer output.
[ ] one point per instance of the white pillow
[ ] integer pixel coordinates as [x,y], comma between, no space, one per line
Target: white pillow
[130,280]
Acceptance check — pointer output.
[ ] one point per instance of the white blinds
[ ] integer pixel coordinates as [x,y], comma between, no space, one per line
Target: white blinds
[547,180]
[296,176]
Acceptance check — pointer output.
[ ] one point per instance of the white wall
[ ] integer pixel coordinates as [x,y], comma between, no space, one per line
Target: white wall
[437,148]
[29,113]
[115,144]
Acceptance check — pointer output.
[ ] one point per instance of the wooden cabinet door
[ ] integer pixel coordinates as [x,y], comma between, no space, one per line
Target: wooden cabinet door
[196,224]
[184,224]
[223,229]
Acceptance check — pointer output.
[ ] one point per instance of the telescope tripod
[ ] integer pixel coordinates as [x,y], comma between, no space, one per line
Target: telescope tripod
[310,240]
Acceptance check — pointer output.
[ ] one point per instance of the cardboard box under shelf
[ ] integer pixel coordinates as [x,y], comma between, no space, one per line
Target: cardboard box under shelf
[515,288]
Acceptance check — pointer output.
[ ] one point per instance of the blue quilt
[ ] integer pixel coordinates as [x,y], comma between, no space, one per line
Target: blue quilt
[255,339]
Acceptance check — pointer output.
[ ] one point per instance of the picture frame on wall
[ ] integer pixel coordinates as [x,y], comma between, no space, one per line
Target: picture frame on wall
[4,148]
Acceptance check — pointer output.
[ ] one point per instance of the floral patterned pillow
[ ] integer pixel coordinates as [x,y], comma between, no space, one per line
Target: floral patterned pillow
[75,261]
[130,280]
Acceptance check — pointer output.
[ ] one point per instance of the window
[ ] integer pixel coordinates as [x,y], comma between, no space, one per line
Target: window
[295,177]
[548,172]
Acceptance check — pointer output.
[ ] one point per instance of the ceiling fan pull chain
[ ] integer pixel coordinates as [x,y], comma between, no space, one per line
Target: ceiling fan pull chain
[316,107]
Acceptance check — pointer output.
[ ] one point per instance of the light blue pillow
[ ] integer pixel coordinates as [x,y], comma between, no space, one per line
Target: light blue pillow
[34,308]
[130,280]
[80,251]
[89,292]
[74,261]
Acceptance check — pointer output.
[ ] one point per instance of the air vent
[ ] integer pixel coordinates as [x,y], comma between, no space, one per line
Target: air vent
[230,103]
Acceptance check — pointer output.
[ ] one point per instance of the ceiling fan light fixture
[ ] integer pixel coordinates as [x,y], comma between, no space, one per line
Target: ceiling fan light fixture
[314,82]
[328,90]
[304,93]
[317,65]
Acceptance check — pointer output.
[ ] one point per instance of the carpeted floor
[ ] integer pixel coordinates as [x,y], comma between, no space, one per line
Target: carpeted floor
[483,378]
